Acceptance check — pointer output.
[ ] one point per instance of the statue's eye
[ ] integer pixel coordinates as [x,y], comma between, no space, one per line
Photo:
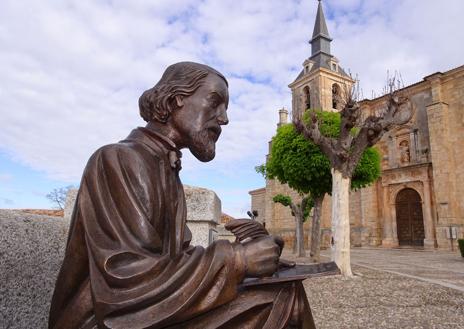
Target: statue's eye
[215,101]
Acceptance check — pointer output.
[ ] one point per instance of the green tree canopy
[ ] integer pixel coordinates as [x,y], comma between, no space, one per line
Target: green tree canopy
[286,201]
[301,164]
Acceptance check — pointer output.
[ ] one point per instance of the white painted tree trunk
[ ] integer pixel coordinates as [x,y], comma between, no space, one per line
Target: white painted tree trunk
[341,222]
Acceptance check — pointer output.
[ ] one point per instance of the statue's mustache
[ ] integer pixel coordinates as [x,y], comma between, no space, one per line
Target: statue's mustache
[213,131]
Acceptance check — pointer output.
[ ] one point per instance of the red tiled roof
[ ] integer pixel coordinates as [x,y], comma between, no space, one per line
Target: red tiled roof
[225,218]
[45,212]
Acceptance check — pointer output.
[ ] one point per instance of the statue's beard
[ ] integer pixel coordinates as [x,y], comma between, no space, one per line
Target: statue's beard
[203,145]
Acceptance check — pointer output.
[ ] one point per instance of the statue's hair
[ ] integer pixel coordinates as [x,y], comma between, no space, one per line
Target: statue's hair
[182,79]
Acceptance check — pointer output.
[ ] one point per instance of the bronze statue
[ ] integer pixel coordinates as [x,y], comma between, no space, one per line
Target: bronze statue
[128,260]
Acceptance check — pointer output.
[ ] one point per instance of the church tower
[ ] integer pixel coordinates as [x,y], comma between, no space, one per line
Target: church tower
[321,81]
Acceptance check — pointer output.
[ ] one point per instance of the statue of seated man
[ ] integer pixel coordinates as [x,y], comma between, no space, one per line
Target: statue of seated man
[128,260]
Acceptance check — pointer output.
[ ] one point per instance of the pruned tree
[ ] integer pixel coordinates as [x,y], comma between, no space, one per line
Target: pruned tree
[298,162]
[345,151]
[301,212]
[58,196]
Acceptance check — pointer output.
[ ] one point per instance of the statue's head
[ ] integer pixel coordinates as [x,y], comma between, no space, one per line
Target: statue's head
[192,99]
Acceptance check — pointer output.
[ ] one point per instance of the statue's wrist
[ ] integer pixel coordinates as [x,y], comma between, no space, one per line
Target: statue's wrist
[240,260]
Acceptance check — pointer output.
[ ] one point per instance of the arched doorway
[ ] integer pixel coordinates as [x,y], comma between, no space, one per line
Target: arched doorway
[409,219]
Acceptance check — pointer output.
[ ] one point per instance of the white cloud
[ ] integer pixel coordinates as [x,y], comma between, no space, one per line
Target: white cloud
[412,37]
[72,71]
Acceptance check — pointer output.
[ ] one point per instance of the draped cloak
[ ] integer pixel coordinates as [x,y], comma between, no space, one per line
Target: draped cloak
[128,262]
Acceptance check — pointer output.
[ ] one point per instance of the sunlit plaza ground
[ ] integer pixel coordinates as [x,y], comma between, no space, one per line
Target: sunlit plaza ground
[397,288]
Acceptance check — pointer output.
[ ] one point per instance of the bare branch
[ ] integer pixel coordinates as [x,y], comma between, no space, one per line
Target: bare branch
[295,210]
[304,202]
[398,111]
[313,133]
[58,196]
[345,151]
[350,116]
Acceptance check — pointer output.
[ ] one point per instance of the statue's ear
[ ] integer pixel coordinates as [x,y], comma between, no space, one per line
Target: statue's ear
[179,100]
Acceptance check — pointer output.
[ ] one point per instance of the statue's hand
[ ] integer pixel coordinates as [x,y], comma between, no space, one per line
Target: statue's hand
[261,256]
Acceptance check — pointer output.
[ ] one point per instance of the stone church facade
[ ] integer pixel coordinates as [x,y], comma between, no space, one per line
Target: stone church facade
[419,199]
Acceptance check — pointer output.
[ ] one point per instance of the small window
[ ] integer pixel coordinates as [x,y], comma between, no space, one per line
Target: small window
[307,68]
[334,67]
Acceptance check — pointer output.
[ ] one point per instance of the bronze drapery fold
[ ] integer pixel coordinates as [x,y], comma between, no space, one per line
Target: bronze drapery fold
[128,263]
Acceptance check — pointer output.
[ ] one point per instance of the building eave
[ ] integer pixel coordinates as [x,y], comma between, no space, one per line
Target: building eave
[335,75]
[257,191]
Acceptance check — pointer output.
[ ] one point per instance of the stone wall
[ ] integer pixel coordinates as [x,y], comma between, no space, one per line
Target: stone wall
[446,124]
[32,248]
[258,198]
[203,213]
[70,201]
[223,234]
[279,219]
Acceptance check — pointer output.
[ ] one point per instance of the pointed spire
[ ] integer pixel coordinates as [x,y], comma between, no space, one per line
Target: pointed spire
[320,42]
[320,27]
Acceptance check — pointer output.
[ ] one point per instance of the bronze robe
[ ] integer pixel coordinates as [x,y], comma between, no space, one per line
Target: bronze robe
[128,263]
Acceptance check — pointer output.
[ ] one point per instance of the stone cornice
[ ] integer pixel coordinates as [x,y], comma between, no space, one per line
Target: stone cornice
[319,72]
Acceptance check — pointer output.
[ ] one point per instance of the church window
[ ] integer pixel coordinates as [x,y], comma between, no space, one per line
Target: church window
[307,97]
[335,95]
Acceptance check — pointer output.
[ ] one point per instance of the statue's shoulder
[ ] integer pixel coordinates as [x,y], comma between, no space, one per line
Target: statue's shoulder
[116,153]
[131,153]
[116,149]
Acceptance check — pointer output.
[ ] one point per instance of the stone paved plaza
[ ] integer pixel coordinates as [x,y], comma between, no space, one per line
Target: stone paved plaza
[397,288]
[440,267]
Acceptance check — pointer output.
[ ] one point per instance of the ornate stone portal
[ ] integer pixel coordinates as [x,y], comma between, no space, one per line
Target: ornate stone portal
[396,182]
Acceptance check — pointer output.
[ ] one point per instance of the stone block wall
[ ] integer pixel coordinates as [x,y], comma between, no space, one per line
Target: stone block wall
[203,213]
[279,219]
[446,124]
[32,249]
[223,234]
[70,201]
[258,198]
[370,215]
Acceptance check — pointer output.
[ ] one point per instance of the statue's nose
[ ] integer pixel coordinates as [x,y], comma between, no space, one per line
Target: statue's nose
[222,118]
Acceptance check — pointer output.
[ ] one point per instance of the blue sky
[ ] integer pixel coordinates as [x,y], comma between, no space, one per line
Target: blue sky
[72,71]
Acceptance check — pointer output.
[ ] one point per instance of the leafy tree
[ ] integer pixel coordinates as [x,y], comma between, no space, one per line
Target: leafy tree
[58,196]
[300,163]
[301,212]
[345,152]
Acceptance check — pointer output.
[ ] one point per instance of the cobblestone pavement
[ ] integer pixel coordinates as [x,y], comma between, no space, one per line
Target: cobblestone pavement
[377,298]
[439,267]
[381,300]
